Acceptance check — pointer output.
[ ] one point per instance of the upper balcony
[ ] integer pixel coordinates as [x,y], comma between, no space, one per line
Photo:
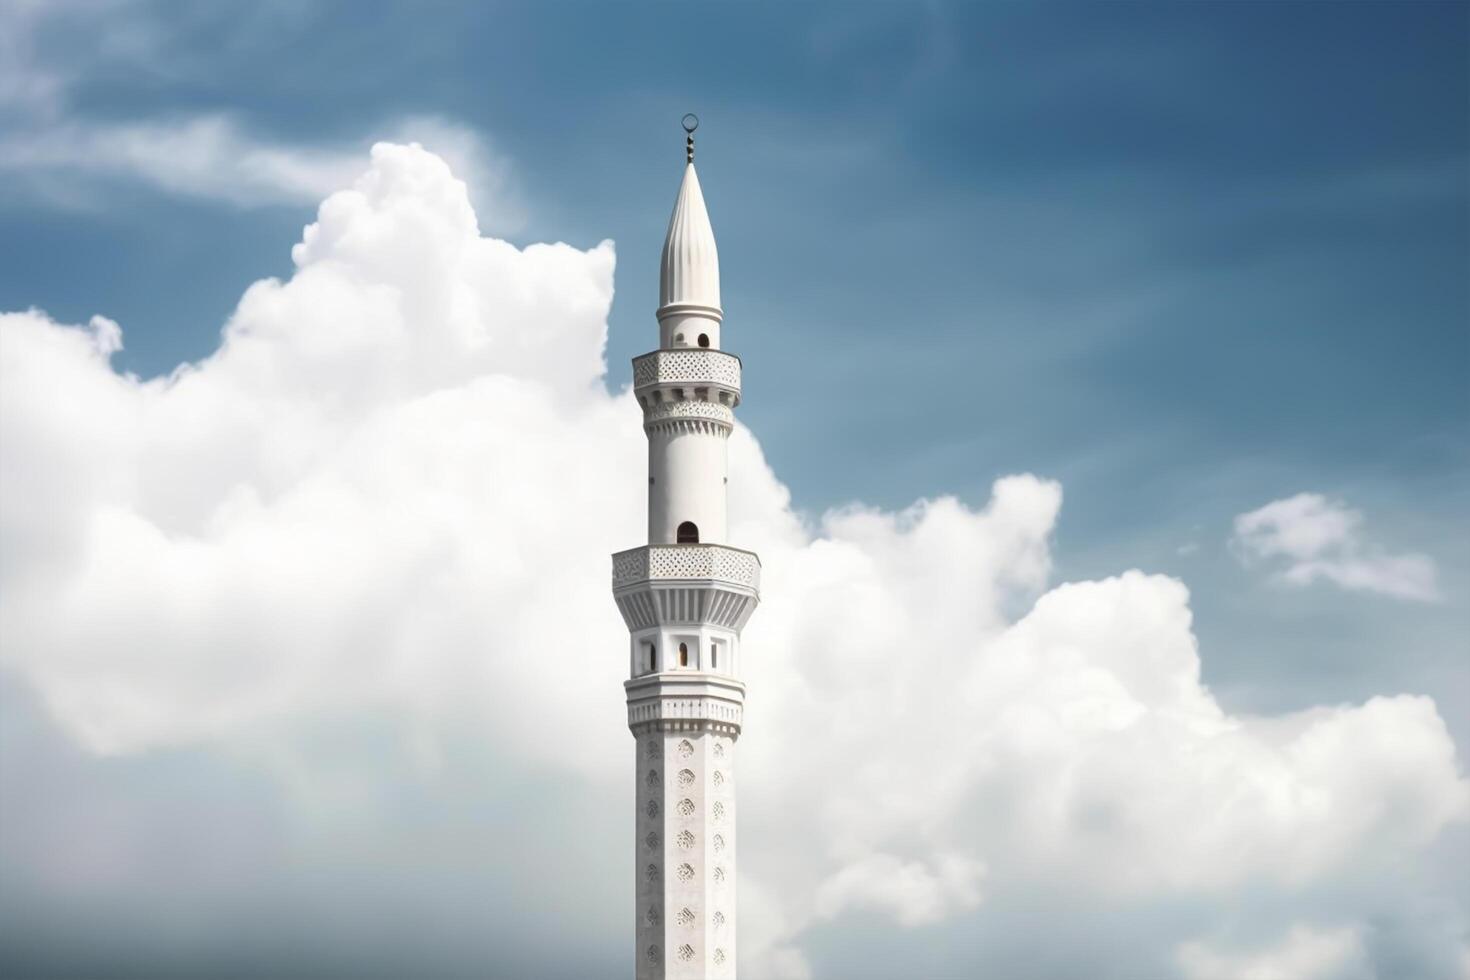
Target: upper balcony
[692,367]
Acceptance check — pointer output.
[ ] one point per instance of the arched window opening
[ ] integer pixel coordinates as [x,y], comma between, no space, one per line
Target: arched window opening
[704,340]
[683,655]
[688,533]
[678,338]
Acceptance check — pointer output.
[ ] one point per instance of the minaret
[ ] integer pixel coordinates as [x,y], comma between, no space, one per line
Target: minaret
[686,596]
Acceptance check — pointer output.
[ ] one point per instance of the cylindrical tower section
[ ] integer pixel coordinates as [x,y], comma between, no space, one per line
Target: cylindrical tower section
[686,486]
[689,325]
[688,399]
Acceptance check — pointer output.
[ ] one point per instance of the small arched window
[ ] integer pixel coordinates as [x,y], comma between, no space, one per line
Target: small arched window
[678,338]
[688,533]
[683,655]
[704,340]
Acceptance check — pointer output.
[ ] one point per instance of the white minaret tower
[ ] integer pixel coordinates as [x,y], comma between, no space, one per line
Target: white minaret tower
[685,596]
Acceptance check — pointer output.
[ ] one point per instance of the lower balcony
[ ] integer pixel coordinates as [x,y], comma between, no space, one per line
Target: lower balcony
[686,562]
[658,585]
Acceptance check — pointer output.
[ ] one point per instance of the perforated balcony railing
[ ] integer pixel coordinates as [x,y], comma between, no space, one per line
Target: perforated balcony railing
[687,365]
[656,562]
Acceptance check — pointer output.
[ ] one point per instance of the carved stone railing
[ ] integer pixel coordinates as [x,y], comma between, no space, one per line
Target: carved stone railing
[686,561]
[692,366]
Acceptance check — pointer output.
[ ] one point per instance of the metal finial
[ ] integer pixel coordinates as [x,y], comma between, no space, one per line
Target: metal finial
[690,122]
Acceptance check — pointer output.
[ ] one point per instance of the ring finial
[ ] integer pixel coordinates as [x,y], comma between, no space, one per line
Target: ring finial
[690,122]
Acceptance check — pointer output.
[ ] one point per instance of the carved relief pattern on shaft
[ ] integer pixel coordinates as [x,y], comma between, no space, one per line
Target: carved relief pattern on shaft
[685,838]
[688,409]
[685,921]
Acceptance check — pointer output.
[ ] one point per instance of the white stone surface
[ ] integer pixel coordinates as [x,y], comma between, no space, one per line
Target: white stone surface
[685,604]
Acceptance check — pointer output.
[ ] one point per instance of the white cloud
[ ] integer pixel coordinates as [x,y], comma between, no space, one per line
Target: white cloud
[910,891]
[1303,954]
[391,494]
[53,153]
[26,83]
[213,156]
[202,156]
[1322,539]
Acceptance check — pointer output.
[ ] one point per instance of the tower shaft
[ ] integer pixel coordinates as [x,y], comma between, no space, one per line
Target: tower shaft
[685,597]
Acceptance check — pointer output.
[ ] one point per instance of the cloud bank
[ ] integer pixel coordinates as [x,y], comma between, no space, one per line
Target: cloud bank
[360,554]
[1304,954]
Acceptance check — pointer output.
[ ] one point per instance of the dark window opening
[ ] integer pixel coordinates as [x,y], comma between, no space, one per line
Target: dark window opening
[683,655]
[688,533]
[651,656]
[714,658]
[704,340]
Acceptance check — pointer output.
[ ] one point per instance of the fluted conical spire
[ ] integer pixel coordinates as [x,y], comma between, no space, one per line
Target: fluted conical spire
[689,274]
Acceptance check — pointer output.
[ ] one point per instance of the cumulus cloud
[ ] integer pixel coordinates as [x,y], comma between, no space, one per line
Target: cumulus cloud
[1321,539]
[384,507]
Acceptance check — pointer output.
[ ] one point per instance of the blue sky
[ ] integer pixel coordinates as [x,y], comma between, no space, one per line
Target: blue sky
[1185,259]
